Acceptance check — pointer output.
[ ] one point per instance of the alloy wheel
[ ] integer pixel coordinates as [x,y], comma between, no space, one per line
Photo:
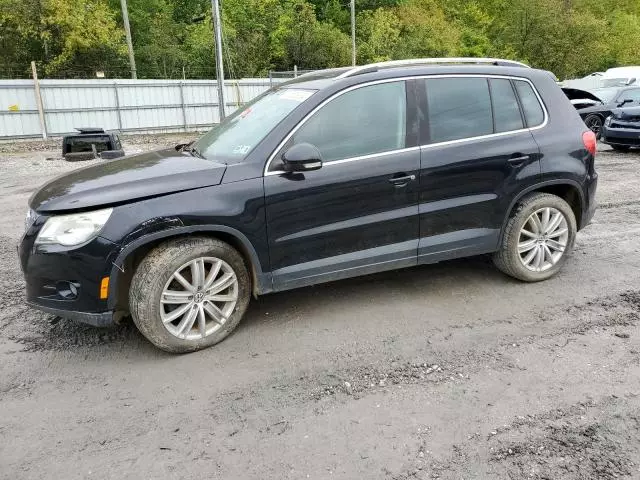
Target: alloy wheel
[198,298]
[543,239]
[595,125]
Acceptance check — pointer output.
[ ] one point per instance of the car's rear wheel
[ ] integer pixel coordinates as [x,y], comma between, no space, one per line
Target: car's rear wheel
[537,239]
[594,122]
[189,293]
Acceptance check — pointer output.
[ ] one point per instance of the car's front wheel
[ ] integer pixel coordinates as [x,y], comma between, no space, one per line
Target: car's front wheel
[189,293]
[537,239]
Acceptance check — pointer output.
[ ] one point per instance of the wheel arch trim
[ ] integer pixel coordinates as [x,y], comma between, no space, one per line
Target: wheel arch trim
[537,186]
[263,281]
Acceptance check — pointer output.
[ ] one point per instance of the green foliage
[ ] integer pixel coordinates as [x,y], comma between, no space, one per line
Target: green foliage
[175,37]
[425,31]
[299,39]
[378,34]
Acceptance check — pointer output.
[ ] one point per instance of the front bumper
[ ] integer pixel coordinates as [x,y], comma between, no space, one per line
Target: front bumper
[66,281]
[629,137]
[104,319]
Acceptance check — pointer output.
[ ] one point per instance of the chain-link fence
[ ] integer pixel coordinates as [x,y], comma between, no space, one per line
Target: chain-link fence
[275,76]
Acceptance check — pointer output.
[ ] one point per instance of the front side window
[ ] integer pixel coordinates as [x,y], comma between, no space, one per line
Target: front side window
[364,121]
[233,139]
[533,112]
[458,108]
[506,112]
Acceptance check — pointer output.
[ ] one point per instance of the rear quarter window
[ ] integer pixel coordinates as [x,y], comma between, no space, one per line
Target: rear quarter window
[533,112]
[506,111]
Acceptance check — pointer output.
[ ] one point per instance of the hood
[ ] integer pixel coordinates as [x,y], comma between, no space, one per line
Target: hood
[630,114]
[578,94]
[126,179]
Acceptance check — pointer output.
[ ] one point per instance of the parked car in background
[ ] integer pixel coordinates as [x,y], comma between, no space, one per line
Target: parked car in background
[620,76]
[90,143]
[334,174]
[594,106]
[621,129]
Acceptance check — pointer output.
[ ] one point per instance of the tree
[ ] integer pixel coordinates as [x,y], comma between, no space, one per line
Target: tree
[425,31]
[77,37]
[378,34]
[299,39]
[82,36]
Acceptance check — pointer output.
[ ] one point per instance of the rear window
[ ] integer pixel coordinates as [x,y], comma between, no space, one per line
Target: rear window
[533,112]
[506,111]
[83,143]
[458,108]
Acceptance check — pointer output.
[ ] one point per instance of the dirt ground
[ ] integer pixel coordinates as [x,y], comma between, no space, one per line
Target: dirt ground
[449,371]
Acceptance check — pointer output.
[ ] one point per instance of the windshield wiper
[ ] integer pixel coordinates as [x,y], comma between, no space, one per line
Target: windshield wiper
[189,148]
[195,152]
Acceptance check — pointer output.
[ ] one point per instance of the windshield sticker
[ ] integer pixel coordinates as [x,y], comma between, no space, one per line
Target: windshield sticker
[296,95]
[241,149]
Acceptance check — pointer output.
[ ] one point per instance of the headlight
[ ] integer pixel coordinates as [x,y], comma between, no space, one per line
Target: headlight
[70,230]
[607,121]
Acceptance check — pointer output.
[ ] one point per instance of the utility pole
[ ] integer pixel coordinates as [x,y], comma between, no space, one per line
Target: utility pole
[36,83]
[217,29]
[353,32]
[127,31]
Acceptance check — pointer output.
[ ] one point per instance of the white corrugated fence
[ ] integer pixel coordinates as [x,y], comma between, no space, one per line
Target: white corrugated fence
[142,106]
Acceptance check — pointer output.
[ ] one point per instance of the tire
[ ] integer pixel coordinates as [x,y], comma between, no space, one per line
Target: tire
[509,260]
[620,148]
[594,122]
[155,276]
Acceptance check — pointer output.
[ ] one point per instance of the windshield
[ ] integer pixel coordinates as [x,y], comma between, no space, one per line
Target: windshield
[605,94]
[233,139]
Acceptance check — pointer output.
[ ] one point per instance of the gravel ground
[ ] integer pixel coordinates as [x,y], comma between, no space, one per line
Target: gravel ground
[449,371]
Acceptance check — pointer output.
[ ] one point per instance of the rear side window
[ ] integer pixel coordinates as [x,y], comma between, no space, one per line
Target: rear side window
[533,112]
[458,108]
[506,111]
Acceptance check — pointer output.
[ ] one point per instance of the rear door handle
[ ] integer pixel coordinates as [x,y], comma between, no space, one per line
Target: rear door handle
[519,159]
[401,181]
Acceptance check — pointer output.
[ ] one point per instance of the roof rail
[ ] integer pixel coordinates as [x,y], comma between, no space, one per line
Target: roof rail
[373,67]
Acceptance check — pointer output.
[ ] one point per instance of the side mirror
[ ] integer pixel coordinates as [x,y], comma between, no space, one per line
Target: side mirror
[302,157]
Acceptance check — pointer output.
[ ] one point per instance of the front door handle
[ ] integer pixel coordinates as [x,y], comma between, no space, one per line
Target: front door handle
[518,159]
[402,181]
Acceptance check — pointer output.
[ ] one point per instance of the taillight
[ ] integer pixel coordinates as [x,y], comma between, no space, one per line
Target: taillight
[590,143]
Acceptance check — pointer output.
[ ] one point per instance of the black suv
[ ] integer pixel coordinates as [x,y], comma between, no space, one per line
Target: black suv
[337,173]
